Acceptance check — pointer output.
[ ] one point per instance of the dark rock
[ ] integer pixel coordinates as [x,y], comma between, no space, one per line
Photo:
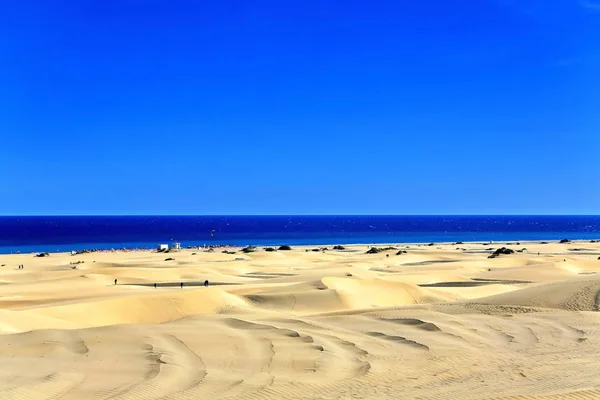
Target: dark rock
[285,248]
[338,247]
[431,244]
[269,249]
[169,259]
[565,241]
[459,243]
[315,250]
[249,249]
[400,252]
[543,242]
[42,255]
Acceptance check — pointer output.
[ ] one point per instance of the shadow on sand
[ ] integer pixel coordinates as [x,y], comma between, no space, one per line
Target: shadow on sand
[177,284]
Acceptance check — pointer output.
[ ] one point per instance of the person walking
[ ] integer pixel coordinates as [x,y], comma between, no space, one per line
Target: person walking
[181,285]
[115,281]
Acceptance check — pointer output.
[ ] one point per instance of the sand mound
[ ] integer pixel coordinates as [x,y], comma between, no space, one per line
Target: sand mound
[362,293]
[23,321]
[144,309]
[338,294]
[574,295]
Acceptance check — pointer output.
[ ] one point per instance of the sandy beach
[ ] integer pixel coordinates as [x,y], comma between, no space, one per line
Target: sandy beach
[440,321]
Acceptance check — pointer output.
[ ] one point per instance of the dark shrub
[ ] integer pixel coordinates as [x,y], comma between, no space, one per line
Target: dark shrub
[285,248]
[269,249]
[565,241]
[338,247]
[503,250]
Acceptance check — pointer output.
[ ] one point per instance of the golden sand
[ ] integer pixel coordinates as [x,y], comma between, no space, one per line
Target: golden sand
[435,323]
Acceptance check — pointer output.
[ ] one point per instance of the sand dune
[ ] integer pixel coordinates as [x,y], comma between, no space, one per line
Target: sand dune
[434,323]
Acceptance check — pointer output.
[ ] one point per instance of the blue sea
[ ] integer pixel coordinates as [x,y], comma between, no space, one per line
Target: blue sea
[66,233]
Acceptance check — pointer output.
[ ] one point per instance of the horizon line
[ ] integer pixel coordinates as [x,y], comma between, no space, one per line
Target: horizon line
[299,215]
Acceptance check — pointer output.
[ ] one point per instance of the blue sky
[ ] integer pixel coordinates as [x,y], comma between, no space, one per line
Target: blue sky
[300,107]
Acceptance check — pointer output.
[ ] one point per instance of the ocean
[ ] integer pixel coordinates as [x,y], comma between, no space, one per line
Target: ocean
[66,233]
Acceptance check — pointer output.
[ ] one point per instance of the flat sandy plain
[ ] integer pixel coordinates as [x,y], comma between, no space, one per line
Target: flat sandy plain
[436,322]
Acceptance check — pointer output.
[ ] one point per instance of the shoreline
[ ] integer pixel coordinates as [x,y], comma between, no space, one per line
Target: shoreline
[329,246]
[317,315]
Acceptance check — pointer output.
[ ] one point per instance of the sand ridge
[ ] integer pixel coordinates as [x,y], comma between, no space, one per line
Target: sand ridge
[436,322]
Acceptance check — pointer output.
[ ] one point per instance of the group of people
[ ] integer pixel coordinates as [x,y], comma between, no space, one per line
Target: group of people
[21,266]
[206,283]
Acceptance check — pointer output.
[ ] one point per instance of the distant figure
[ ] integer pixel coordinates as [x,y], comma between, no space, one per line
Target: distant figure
[115,281]
[182,285]
[387,255]
[206,283]
[538,253]
[155,286]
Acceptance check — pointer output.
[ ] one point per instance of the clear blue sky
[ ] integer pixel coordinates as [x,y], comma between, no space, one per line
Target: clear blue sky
[300,107]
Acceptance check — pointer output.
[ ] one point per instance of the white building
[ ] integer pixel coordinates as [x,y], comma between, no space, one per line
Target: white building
[177,246]
[162,247]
